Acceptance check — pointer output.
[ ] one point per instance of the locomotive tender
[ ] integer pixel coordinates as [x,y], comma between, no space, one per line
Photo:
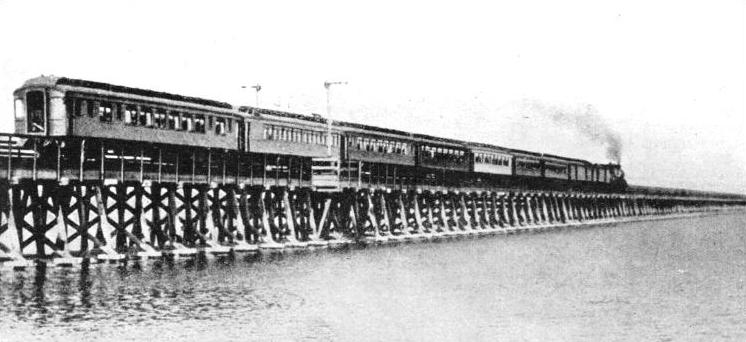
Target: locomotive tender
[298,146]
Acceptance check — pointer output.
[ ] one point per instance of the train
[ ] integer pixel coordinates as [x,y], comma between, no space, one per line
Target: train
[338,153]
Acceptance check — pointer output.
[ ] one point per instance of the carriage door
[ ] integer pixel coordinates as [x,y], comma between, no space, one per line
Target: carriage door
[36,109]
[243,142]
[343,146]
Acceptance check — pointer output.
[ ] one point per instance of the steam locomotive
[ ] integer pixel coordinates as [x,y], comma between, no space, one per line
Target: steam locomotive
[339,153]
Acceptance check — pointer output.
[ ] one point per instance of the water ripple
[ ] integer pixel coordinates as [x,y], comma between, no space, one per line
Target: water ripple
[667,280]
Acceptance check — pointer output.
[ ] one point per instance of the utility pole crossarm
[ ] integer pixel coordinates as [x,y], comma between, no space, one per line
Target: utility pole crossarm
[257,87]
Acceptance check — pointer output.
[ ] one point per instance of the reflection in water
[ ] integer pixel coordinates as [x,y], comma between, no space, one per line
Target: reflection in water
[644,281]
[84,285]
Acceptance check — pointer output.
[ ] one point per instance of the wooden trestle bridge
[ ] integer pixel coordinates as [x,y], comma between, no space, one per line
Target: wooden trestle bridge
[67,197]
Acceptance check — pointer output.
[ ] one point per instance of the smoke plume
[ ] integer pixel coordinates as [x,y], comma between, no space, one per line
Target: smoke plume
[582,119]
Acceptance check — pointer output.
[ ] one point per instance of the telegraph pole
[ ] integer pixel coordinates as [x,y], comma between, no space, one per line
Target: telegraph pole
[328,85]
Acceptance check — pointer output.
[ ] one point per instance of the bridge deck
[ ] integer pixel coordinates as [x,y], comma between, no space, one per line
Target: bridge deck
[104,199]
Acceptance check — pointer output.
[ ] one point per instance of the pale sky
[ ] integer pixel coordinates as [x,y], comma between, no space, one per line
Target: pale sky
[668,76]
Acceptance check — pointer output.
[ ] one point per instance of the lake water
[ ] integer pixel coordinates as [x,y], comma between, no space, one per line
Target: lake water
[679,279]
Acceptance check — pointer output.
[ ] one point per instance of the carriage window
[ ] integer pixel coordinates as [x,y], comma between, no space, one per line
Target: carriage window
[186,122]
[171,119]
[130,115]
[81,106]
[219,126]
[229,126]
[145,118]
[105,112]
[19,109]
[199,124]
[35,109]
[91,108]
[159,118]
[119,109]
